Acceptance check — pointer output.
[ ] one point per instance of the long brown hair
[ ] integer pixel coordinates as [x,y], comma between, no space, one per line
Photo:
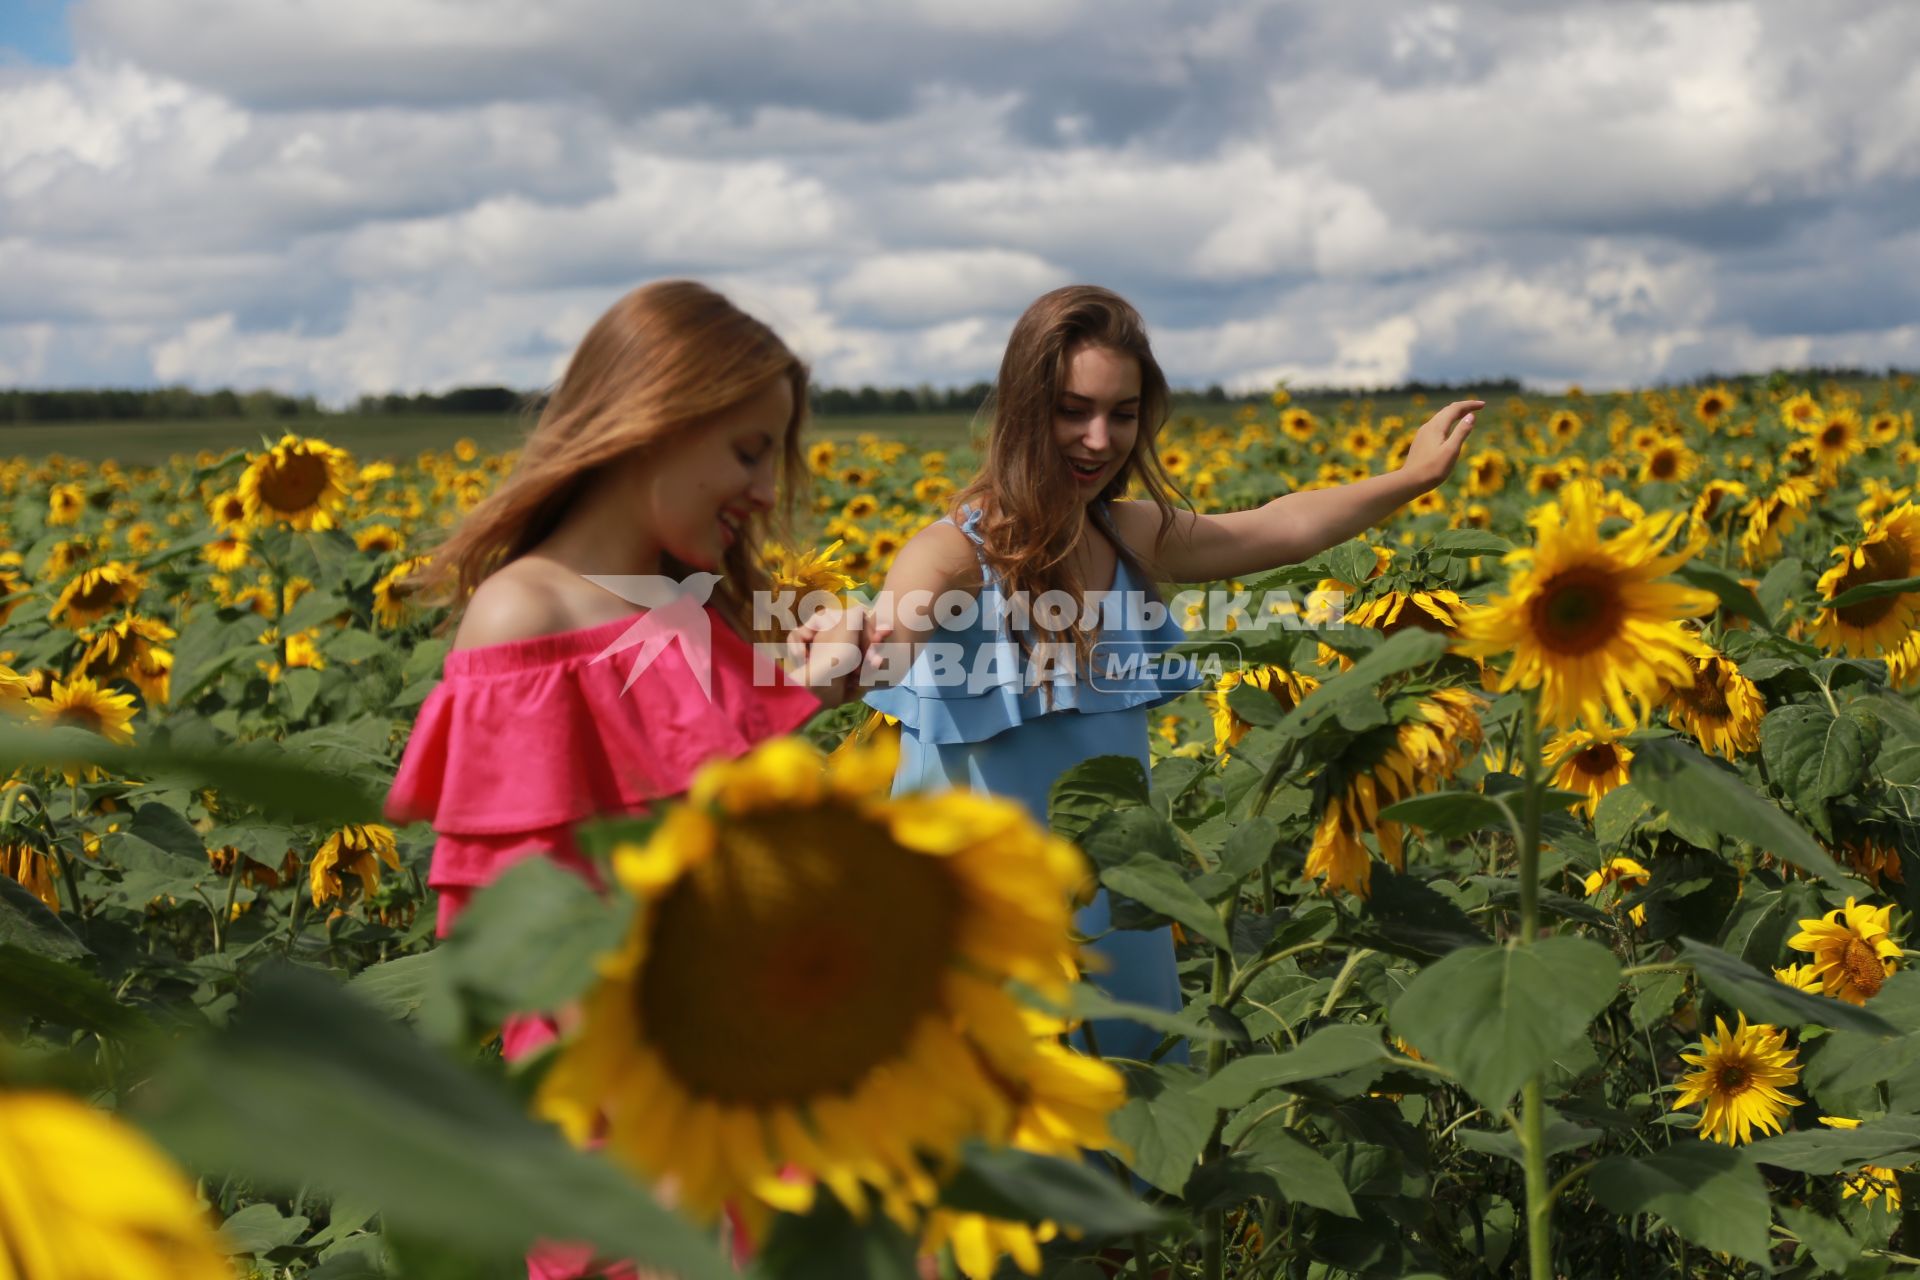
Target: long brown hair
[1028,533]
[662,361]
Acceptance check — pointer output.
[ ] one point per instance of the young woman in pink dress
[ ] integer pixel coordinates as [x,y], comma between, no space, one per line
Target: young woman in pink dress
[661,453]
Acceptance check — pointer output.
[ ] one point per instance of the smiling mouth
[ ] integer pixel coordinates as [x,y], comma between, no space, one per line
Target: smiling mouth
[1084,470]
[730,527]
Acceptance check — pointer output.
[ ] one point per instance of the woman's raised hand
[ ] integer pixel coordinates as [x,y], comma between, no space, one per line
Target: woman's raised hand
[1436,446]
[827,652]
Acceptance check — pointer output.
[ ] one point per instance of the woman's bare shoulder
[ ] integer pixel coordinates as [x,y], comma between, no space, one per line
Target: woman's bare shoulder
[521,600]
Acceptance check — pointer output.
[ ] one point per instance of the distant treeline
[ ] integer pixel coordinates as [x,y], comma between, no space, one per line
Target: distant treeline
[182,403]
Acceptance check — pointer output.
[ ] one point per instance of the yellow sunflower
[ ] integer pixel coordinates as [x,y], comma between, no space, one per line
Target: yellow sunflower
[1889,551]
[1771,516]
[1739,1079]
[1286,688]
[1872,857]
[1714,508]
[65,502]
[821,455]
[1668,460]
[1564,426]
[1061,1104]
[95,593]
[228,554]
[1586,620]
[1299,424]
[84,1196]
[814,980]
[379,539]
[1620,871]
[130,650]
[1869,1182]
[1719,707]
[354,850]
[1851,950]
[298,483]
[34,869]
[1486,473]
[1176,460]
[1591,765]
[1838,440]
[1800,977]
[1802,412]
[1419,755]
[804,573]
[394,595]
[79,702]
[1713,404]
[228,511]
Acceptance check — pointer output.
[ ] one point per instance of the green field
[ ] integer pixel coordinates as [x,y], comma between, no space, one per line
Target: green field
[395,437]
[402,436]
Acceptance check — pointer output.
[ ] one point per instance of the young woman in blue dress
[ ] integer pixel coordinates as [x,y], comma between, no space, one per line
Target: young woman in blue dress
[1076,410]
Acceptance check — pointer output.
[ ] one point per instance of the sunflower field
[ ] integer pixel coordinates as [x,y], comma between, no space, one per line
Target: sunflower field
[1541,867]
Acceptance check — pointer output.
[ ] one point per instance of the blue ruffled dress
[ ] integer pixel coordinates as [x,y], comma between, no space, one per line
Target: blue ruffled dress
[991,733]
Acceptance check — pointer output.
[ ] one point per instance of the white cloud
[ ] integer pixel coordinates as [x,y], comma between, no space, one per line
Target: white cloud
[398,194]
[933,284]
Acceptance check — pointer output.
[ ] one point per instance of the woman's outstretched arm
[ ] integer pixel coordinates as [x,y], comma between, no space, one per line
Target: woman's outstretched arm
[1298,526]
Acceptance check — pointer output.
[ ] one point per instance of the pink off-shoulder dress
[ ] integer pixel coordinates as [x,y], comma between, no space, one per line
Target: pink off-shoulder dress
[522,740]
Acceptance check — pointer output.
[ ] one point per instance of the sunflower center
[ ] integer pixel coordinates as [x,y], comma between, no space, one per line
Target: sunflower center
[293,482]
[1577,611]
[1862,966]
[797,958]
[1834,434]
[1706,697]
[1732,1078]
[1886,561]
[81,715]
[101,593]
[1664,465]
[1600,758]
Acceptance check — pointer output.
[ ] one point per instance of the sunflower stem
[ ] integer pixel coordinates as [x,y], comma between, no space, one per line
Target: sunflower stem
[1533,1141]
[1213,1237]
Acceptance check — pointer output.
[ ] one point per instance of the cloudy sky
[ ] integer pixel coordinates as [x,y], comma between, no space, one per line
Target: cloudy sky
[341,196]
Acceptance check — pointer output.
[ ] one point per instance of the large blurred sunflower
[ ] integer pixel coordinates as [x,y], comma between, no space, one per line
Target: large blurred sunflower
[1286,687]
[1739,1077]
[79,702]
[1061,1104]
[814,980]
[95,593]
[1586,620]
[1889,551]
[298,483]
[1719,707]
[83,1196]
[1852,951]
[1384,767]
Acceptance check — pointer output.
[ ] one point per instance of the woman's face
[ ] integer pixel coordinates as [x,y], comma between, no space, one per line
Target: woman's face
[1096,417]
[699,493]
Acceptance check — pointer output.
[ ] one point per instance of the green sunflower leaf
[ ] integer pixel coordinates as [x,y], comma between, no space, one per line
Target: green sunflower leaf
[1764,998]
[1495,1016]
[1678,778]
[1330,1051]
[1710,1194]
[1156,884]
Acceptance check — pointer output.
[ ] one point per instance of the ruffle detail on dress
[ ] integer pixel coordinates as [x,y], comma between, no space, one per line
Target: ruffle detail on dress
[989,694]
[545,731]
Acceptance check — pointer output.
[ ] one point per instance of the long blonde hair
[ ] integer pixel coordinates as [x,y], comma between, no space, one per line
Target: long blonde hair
[1027,532]
[662,361]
